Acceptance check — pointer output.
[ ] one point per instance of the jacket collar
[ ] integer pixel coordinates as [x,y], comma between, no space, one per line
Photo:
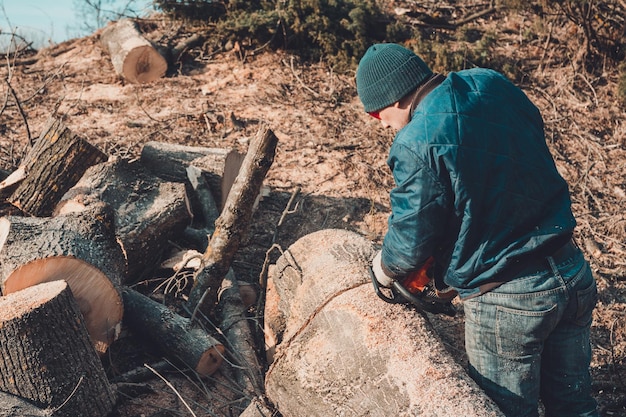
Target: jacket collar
[423,90]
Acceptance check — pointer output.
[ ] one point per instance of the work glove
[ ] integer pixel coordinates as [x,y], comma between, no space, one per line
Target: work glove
[377,267]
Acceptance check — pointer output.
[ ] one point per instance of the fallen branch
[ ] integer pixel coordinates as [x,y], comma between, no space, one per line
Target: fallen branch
[233,222]
[234,325]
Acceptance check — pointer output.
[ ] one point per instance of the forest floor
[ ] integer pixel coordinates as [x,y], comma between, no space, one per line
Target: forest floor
[331,158]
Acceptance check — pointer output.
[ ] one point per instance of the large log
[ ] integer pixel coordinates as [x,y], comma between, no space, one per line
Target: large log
[343,351]
[80,249]
[53,165]
[46,356]
[172,333]
[148,210]
[233,223]
[133,57]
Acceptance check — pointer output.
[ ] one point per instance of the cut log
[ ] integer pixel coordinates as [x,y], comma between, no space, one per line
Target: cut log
[235,326]
[233,223]
[133,57]
[172,333]
[81,250]
[148,210]
[46,355]
[343,351]
[170,161]
[54,164]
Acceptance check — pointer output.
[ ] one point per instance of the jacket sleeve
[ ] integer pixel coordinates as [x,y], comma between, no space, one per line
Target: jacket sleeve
[418,213]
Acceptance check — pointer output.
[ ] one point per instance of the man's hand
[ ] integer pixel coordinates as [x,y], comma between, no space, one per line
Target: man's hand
[383,279]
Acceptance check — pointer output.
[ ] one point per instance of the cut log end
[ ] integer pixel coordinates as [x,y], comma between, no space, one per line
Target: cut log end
[144,64]
[28,300]
[97,298]
[211,360]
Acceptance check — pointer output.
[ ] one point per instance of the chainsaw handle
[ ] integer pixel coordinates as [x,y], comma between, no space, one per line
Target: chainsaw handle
[379,293]
[422,305]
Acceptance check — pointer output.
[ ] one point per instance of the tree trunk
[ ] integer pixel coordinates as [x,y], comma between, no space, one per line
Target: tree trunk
[54,164]
[343,351]
[133,57]
[148,210]
[46,355]
[218,166]
[172,333]
[81,250]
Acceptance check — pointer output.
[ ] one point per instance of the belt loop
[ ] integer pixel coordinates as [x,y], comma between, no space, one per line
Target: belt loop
[554,269]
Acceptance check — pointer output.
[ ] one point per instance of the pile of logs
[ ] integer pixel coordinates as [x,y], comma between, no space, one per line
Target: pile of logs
[83,228]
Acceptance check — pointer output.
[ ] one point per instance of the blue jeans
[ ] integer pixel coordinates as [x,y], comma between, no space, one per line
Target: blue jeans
[529,339]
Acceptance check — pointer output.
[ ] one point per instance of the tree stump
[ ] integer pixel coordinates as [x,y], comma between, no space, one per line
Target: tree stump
[46,356]
[343,351]
[53,165]
[173,334]
[148,210]
[80,249]
[133,57]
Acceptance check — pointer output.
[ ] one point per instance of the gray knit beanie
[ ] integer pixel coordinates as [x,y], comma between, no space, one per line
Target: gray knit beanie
[387,72]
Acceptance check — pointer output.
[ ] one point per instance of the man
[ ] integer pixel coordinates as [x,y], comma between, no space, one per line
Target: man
[477,189]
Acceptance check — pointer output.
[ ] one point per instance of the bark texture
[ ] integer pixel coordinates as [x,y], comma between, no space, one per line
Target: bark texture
[148,210]
[172,333]
[53,165]
[343,351]
[46,355]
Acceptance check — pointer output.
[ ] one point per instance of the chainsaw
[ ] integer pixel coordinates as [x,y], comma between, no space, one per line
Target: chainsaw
[417,291]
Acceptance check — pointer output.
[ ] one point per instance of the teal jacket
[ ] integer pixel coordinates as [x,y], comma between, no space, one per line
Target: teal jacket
[475,184]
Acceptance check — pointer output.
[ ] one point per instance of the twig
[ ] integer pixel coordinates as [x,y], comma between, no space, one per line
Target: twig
[80,381]
[293,71]
[169,384]
[19,107]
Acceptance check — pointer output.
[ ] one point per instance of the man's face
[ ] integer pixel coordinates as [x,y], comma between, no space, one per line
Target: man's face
[394,116]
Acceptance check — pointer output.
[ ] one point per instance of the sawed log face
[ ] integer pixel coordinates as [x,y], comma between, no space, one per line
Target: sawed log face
[80,249]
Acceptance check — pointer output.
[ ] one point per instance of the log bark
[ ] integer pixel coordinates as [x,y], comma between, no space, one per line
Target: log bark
[81,250]
[133,57]
[53,165]
[46,355]
[218,166]
[14,406]
[235,326]
[173,334]
[148,210]
[343,351]
[233,223]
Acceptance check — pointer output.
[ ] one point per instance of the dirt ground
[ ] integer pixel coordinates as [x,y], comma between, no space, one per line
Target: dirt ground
[330,164]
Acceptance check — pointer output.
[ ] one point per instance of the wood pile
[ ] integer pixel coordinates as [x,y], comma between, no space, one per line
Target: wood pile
[85,227]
